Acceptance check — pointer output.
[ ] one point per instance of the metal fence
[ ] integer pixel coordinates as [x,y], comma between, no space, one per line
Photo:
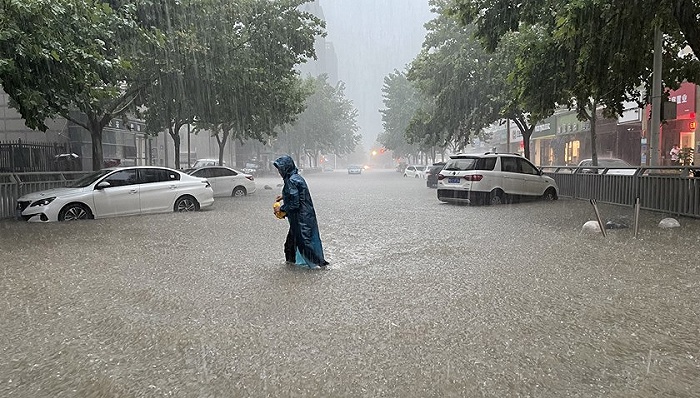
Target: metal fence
[672,190]
[19,156]
[14,185]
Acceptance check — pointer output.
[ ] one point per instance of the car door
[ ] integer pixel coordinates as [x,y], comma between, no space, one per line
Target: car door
[533,183]
[512,178]
[158,189]
[121,197]
[228,179]
[211,176]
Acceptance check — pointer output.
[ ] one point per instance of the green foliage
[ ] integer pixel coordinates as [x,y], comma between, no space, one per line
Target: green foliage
[328,123]
[402,101]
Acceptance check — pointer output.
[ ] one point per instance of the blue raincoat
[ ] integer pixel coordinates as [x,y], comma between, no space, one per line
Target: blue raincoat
[301,214]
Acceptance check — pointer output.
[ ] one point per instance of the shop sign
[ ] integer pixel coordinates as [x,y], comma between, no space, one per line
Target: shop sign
[684,98]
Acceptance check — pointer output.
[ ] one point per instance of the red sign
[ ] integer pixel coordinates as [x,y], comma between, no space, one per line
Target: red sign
[684,98]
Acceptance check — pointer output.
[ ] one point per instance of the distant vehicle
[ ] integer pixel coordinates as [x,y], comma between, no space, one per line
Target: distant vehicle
[226,181]
[606,166]
[354,169]
[431,174]
[252,168]
[414,171]
[119,191]
[492,178]
[206,162]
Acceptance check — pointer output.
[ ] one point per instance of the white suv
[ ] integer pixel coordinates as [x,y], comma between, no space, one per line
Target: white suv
[492,178]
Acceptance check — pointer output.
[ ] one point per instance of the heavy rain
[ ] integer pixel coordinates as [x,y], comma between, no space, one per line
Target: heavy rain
[507,198]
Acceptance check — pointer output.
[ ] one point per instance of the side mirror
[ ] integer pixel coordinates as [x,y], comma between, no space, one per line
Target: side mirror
[103,185]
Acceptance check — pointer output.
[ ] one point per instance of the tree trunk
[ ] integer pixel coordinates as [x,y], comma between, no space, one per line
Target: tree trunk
[222,145]
[594,136]
[174,132]
[97,154]
[526,141]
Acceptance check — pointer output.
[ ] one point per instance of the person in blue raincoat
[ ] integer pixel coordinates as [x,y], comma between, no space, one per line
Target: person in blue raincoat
[303,232]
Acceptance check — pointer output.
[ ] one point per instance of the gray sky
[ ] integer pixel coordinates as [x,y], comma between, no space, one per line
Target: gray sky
[371,39]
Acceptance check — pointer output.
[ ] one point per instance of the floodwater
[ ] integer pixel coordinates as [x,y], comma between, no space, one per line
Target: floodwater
[421,299]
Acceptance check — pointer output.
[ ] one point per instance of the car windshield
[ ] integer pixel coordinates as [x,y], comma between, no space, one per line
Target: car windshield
[613,163]
[89,179]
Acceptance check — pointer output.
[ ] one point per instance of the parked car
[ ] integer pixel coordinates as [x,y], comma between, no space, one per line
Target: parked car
[226,181]
[431,174]
[252,168]
[118,191]
[613,165]
[492,178]
[354,169]
[414,171]
[206,162]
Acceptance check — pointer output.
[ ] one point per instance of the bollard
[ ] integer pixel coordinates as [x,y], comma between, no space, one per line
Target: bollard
[597,214]
[636,217]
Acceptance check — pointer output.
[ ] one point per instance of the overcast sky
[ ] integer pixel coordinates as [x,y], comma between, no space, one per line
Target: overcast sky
[371,39]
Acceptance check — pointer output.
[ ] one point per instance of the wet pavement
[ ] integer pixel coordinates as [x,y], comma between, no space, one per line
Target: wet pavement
[421,299]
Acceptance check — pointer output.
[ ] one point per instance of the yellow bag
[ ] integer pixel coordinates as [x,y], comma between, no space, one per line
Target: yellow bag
[276,207]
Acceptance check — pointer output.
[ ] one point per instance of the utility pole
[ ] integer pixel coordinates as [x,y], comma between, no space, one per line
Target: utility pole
[655,130]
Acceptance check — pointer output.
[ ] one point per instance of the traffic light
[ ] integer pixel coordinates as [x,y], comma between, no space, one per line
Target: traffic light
[382,150]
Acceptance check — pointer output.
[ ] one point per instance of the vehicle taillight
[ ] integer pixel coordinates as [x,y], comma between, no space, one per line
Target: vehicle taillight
[473,177]
[250,178]
[440,177]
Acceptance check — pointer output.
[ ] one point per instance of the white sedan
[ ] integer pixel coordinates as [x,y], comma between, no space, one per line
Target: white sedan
[118,191]
[226,181]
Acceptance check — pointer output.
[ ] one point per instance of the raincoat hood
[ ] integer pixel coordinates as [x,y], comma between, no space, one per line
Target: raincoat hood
[285,165]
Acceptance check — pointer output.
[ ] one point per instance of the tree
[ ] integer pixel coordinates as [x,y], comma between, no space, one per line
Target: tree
[402,101]
[450,69]
[247,77]
[604,48]
[61,56]
[328,123]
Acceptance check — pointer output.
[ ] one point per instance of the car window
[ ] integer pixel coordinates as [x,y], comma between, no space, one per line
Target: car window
[420,168]
[222,172]
[509,164]
[202,173]
[157,175]
[527,167]
[122,178]
[464,164]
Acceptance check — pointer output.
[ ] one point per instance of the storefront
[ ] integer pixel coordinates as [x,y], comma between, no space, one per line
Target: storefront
[681,130]
[541,145]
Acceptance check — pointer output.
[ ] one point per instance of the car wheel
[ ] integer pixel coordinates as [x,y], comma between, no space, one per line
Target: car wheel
[73,212]
[496,198]
[238,192]
[550,194]
[186,203]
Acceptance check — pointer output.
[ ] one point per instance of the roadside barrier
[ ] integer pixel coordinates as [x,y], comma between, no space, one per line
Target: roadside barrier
[672,190]
[14,185]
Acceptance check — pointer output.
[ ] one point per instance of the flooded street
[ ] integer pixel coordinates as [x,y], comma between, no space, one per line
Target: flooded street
[421,299]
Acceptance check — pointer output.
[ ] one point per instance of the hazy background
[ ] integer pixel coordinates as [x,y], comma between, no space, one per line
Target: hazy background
[371,39]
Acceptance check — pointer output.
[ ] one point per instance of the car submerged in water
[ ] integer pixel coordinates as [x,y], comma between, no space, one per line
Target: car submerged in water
[119,191]
[492,178]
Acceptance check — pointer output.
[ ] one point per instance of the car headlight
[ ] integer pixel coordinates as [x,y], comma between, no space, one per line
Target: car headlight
[42,202]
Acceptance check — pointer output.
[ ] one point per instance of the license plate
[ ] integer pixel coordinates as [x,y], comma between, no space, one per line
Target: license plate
[453,180]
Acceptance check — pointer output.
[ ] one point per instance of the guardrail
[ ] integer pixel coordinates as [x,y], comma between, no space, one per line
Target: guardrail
[673,190]
[14,185]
